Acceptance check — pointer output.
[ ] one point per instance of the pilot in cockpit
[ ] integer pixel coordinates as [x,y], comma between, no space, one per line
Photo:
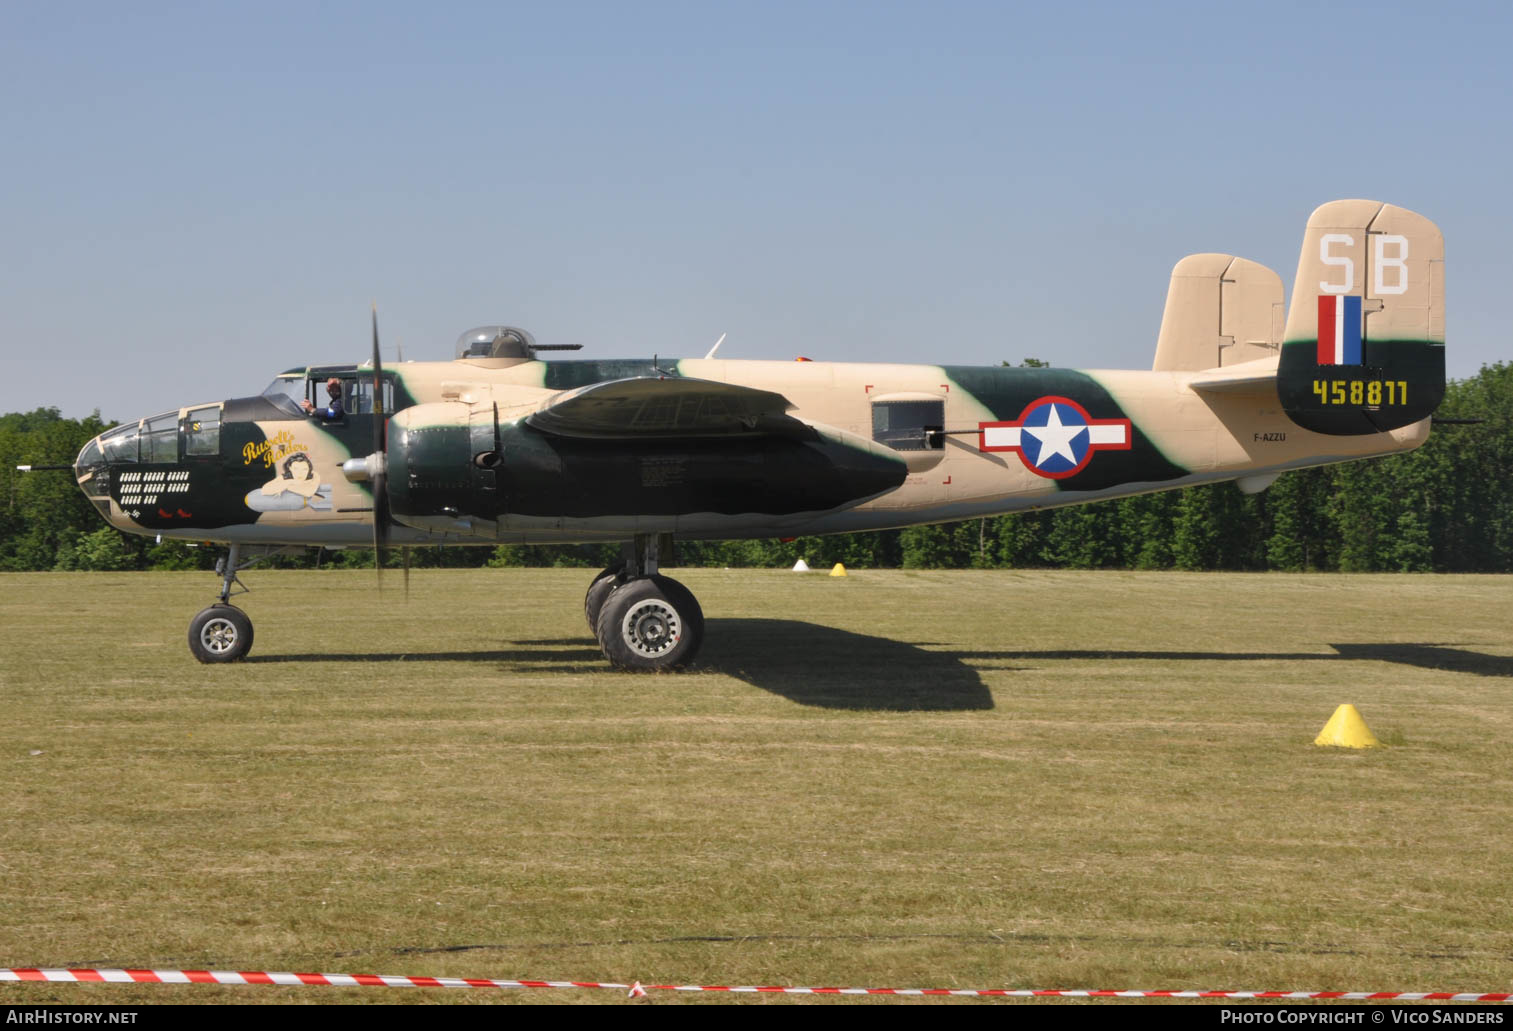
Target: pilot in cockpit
[333,412]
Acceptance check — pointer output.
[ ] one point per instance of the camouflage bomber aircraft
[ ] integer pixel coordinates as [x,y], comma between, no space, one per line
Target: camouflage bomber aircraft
[500,447]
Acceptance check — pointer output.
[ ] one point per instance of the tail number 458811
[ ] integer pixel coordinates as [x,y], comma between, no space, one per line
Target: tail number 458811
[1361,392]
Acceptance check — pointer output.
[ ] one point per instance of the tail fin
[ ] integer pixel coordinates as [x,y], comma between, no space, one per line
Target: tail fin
[1364,350]
[1220,310]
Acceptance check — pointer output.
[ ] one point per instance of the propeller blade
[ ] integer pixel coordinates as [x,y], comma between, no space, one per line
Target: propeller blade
[380,525]
[379,426]
[380,474]
[405,553]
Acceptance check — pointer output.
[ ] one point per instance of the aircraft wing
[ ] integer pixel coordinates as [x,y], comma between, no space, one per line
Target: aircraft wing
[1245,376]
[650,407]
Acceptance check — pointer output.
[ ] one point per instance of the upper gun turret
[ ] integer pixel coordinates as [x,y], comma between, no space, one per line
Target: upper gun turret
[502,346]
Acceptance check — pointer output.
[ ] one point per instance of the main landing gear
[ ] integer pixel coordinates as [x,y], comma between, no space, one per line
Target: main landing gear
[645,622]
[222,632]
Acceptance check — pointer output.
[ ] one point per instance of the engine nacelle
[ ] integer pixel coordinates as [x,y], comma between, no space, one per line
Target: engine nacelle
[445,471]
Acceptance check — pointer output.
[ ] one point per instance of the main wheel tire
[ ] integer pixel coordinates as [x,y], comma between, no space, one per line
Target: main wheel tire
[593,601]
[650,625]
[221,633]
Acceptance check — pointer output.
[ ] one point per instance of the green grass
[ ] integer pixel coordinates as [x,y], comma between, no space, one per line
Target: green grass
[933,779]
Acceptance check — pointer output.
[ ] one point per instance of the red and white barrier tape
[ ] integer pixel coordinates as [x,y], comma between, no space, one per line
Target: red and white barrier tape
[637,988]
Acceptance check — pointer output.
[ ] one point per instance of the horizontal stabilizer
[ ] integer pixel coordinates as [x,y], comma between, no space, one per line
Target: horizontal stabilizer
[1247,376]
[648,407]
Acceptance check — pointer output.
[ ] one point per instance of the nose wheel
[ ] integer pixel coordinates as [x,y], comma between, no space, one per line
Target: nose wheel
[221,633]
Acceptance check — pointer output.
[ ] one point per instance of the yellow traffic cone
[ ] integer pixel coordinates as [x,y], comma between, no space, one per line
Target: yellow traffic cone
[1346,729]
[839,570]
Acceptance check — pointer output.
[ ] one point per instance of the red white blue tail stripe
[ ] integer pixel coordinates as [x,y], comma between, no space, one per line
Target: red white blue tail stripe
[1339,329]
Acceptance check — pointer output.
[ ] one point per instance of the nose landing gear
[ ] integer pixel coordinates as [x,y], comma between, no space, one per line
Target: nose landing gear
[222,632]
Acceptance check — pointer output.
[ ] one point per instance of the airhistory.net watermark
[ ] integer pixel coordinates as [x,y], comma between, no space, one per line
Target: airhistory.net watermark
[46,1016]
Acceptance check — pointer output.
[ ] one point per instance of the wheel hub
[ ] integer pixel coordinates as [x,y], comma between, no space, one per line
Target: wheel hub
[652,627]
[218,636]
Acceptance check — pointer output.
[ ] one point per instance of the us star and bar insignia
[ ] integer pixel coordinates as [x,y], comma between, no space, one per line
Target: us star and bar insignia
[1055,437]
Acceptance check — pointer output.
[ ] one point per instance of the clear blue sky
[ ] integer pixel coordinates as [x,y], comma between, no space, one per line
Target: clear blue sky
[194,197]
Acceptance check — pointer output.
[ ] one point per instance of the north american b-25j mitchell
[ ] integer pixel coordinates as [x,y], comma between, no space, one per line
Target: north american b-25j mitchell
[499,446]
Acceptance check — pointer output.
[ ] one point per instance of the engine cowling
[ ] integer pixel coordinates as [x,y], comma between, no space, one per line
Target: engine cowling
[431,472]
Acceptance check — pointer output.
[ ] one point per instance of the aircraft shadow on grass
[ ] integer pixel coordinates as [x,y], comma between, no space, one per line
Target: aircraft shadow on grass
[838,669]
[804,662]
[1424,656]
[1431,656]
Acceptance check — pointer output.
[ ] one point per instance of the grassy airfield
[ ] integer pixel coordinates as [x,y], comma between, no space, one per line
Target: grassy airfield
[906,779]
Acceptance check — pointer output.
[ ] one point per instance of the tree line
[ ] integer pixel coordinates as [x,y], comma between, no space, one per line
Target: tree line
[1446,507]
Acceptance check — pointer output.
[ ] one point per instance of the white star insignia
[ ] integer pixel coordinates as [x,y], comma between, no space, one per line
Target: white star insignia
[1055,438]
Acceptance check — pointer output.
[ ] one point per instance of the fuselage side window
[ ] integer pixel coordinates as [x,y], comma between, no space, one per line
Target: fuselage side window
[202,431]
[160,438]
[356,393]
[909,425]
[362,399]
